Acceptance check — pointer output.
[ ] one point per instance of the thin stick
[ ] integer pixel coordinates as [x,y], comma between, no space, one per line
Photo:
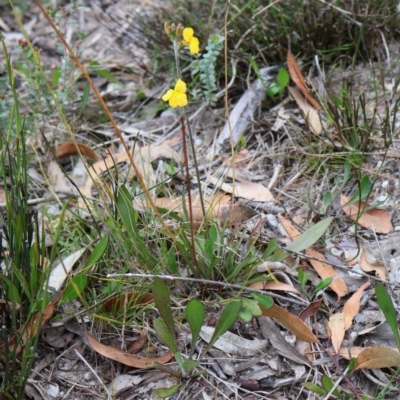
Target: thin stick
[185,156]
[300,302]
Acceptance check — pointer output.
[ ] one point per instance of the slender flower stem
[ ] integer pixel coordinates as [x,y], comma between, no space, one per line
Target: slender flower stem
[178,72]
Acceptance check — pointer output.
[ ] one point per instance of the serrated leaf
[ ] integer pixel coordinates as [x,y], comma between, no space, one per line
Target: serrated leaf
[386,305]
[164,334]
[97,252]
[195,318]
[310,236]
[163,303]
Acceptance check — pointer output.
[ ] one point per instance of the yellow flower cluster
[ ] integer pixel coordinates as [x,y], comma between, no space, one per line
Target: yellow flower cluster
[177,97]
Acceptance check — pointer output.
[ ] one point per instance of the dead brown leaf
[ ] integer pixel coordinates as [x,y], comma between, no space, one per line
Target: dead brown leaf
[376,220]
[377,357]
[218,206]
[324,270]
[291,322]
[367,266]
[311,115]
[352,305]
[245,190]
[124,358]
[71,149]
[298,78]
[310,310]
[336,330]
[274,285]
[350,352]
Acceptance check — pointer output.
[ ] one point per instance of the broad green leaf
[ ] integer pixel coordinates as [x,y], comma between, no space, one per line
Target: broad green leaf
[189,365]
[56,76]
[163,303]
[97,252]
[164,334]
[386,305]
[166,392]
[326,201]
[245,315]
[283,79]
[12,292]
[264,300]
[362,191]
[310,236]
[195,318]
[226,320]
[76,286]
[316,389]
[324,283]
[272,245]
[327,384]
[273,89]
[252,306]
[125,208]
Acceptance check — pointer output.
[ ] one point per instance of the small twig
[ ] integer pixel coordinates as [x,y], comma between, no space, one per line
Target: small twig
[300,302]
[94,373]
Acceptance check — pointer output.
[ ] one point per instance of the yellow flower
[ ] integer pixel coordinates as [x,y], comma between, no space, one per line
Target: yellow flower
[190,40]
[177,96]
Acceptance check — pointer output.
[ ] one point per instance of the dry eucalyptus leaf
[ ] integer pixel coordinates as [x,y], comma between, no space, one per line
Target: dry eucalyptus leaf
[311,115]
[375,265]
[336,330]
[377,357]
[245,190]
[352,305]
[291,322]
[377,220]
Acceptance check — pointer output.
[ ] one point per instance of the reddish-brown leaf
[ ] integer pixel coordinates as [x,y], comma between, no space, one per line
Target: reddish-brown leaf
[137,344]
[70,149]
[377,357]
[310,310]
[273,285]
[336,330]
[124,358]
[291,322]
[375,219]
[352,305]
[298,78]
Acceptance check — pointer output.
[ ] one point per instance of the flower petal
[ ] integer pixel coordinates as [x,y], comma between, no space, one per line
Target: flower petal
[180,86]
[194,45]
[188,34]
[173,101]
[181,99]
[168,95]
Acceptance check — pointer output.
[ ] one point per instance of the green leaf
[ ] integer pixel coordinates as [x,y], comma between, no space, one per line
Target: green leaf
[166,392]
[226,320]
[245,315]
[264,300]
[273,89]
[165,335]
[326,201]
[323,283]
[283,79]
[99,70]
[189,365]
[386,305]
[272,246]
[76,286]
[310,236]
[327,384]
[97,252]
[195,319]
[362,191]
[125,208]
[56,76]
[252,306]
[163,303]
[316,389]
